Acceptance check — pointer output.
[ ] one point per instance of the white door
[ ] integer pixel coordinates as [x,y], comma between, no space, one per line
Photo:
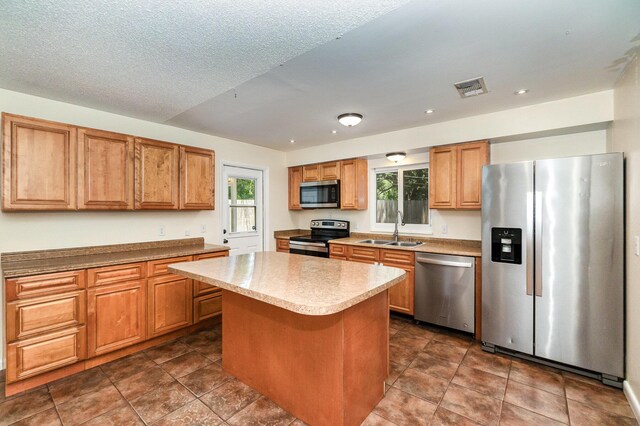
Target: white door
[242,219]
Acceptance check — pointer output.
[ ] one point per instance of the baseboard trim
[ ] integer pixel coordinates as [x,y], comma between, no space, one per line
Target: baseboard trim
[632,397]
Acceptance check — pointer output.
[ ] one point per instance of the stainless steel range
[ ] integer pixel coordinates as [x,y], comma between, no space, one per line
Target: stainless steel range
[317,244]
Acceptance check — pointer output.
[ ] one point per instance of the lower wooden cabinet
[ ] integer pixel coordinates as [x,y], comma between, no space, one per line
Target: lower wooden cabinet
[200,288]
[116,316]
[401,295]
[169,304]
[282,245]
[29,357]
[207,307]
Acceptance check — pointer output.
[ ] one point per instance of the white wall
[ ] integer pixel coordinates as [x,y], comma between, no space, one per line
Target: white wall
[466,225]
[626,138]
[30,231]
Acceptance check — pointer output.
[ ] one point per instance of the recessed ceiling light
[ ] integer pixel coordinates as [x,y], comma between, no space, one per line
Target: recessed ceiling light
[334,131]
[350,119]
[429,111]
[292,141]
[521,92]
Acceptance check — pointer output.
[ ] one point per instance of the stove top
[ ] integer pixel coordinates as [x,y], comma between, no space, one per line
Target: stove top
[323,230]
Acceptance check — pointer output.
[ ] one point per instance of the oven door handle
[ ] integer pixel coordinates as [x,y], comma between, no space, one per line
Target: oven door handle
[304,243]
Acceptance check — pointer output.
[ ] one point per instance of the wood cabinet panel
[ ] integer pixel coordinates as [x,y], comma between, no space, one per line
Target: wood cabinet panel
[295,178]
[40,315]
[156,175]
[200,288]
[366,254]
[105,170]
[39,164]
[29,357]
[338,251]
[443,177]
[160,267]
[169,304]
[116,316]
[311,173]
[206,307]
[282,245]
[471,157]
[329,171]
[197,178]
[401,295]
[116,274]
[354,184]
[45,284]
[397,257]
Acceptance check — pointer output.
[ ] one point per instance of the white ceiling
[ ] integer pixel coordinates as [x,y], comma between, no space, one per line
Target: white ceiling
[266,72]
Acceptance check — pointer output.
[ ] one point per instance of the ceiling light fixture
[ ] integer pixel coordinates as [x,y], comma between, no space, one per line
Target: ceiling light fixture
[334,131]
[429,111]
[521,92]
[292,141]
[396,156]
[350,119]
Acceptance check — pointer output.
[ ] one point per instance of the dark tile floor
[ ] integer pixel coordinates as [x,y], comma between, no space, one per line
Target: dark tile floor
[436,378]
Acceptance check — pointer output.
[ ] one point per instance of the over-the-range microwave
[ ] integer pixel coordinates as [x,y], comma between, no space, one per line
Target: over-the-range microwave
[321,194]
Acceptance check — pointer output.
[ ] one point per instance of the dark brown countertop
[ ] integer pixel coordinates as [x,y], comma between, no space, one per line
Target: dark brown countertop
[18,264]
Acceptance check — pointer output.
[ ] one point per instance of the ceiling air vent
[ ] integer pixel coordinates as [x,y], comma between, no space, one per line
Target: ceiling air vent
[473,87]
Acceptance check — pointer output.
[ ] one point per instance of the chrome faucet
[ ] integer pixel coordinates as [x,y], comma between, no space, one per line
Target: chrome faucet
[395,230]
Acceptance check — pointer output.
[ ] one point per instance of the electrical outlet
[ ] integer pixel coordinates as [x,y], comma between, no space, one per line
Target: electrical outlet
[636,240]
[161,230]
[187,232]
[444,229]
[203,228]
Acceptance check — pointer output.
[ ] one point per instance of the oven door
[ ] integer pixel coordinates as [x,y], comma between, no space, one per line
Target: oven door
[323,194]
[308,248]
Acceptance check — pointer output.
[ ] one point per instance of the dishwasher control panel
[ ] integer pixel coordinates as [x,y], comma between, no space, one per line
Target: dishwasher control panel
[506,245]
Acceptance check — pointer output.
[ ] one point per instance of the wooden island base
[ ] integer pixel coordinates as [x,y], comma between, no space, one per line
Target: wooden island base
[325,370]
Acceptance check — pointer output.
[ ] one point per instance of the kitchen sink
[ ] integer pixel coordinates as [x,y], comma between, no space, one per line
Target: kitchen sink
[404,244]
[375,241]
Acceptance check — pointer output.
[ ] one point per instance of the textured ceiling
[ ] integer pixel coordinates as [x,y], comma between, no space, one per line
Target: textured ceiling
[155,59]
[265,72]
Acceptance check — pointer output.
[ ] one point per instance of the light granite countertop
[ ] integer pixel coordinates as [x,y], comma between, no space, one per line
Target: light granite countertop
[303,284]
[430,245]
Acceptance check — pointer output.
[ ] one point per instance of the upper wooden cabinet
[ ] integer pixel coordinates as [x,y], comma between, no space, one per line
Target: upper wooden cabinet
[156,174]
[295,177]
[353,184]
[456,175]
[105,170]
[321,171]
[39,164]
[197,182]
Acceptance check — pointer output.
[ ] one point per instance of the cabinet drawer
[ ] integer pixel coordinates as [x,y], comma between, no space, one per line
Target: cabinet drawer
[27,318]
[206,307]
[116,274]
[42,285]
[337,250]
[159,267]
[37,355]
[397,257]
[200,288]
[211,255]
[363,254]
[282,244]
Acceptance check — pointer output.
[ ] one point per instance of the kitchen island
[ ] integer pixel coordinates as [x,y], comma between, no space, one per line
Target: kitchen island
[309,333]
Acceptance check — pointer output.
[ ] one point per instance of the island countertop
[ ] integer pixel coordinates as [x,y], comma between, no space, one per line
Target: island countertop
[302,284]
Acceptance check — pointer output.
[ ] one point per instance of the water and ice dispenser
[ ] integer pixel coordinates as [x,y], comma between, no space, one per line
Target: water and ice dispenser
[506,245]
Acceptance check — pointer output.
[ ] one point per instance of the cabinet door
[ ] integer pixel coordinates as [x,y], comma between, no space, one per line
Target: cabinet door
[471,157]
[116,316]
[282,245]
[330,171]
[442,171]
[105,170]
[39,164]
[156,175]
[311,173]
[197,178]
[401,295]
[169,304]
[353,184]
[295,177]
[206,307]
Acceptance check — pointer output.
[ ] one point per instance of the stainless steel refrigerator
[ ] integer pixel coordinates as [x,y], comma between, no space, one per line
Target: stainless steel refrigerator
[553,261]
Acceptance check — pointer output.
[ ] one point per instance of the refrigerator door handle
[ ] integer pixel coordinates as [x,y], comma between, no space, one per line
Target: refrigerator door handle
[529,242]
[538,244]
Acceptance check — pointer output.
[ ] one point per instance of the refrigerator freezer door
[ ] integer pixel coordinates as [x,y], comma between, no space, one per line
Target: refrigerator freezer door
[507,286]
[579,303]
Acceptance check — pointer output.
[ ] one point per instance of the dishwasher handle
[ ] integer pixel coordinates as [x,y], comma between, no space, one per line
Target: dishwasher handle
[444,262]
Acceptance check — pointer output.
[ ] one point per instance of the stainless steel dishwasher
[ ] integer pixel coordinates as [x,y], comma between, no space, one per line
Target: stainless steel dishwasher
[444,290]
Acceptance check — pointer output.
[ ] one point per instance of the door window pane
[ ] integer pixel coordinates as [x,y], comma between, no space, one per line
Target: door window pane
[242,191]
[242,204]
[242,218]
[386,196]
[415,196]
